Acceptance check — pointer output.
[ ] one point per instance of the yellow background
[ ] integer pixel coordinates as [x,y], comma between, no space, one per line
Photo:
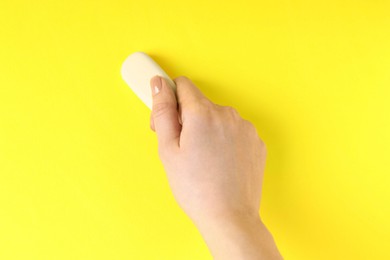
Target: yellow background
[80,176]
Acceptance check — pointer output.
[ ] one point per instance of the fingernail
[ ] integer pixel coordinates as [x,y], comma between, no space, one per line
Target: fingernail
[156,85]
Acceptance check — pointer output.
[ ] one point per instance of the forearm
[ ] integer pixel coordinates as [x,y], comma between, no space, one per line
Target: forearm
[238,237]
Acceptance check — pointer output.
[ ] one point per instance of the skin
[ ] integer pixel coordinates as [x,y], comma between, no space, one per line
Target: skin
[214,161]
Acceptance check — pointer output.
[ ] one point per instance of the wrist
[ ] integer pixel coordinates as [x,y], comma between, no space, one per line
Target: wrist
[219,222]
[237,236]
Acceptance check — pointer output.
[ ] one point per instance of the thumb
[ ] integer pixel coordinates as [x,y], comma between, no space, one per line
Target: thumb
[164,113]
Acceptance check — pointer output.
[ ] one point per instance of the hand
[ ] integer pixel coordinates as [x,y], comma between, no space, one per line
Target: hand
[213,158]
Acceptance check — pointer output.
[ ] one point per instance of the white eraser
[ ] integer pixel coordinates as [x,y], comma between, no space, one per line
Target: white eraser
[137,70]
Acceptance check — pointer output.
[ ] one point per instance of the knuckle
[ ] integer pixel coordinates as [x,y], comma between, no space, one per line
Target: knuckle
[232,111]
[160,109]
[181,79]
[200,108]
[228,113]
[206,104]
[252,131]
[251,128]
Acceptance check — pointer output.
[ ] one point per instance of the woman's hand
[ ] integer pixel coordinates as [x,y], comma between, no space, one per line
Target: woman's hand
[214,162]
